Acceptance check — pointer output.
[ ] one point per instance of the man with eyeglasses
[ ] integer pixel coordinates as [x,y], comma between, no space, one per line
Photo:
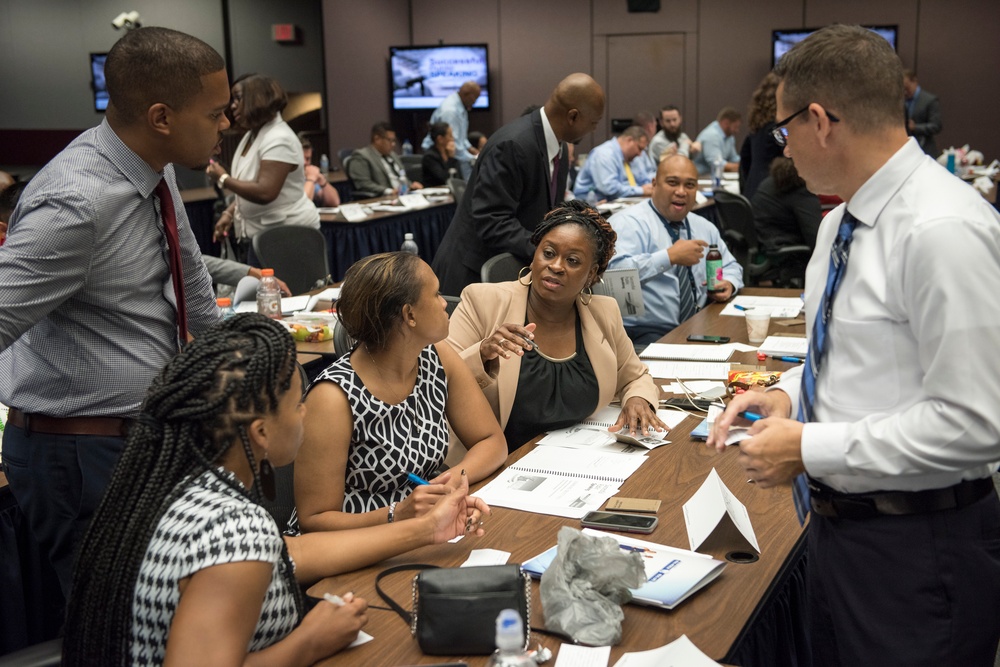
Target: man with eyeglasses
[890,430]
[667,243]
[374,170]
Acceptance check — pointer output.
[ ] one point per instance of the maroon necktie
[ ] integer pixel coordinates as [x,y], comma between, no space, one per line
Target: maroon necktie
[554,182]
[174,255]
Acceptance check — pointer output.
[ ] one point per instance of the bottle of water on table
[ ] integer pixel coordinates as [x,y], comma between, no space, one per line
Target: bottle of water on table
[510,642]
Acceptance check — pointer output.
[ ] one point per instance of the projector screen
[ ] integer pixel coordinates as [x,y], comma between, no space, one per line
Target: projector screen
[422,76]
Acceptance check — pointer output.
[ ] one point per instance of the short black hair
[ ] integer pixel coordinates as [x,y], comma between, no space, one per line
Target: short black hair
[156,65]
[380,129]
[577,212]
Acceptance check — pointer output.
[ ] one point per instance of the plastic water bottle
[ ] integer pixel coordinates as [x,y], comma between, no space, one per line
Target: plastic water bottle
[324,164]
[409,245]
[226,306]
[718,167]
[404,183]
[407,147]
[510,642]
[269,295]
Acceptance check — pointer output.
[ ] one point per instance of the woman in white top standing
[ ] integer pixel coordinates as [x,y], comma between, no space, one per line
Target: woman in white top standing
[268,170]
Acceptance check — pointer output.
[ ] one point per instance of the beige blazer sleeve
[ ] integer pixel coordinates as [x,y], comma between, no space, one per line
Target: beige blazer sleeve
[484,307]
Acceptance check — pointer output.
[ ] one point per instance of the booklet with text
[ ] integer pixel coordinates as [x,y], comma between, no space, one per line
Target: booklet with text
[672,575]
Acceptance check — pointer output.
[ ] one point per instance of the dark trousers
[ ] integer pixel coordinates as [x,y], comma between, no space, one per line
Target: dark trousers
[914,590]
[58,481]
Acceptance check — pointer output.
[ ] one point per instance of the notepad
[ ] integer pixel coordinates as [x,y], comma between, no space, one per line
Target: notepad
[792,346]
[547,481]
[691,370]
[685,352]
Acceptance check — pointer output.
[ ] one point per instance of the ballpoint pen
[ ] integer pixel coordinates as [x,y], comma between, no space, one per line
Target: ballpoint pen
[782,357]
[750,416]
[739,307]
[416,479]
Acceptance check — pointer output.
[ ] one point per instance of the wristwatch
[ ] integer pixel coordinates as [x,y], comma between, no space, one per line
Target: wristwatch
[222,180]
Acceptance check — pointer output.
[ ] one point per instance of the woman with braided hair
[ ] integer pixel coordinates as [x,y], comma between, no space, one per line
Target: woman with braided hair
[546,351]
[181,564]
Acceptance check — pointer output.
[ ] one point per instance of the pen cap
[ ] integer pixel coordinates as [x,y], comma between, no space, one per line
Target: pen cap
[510,630]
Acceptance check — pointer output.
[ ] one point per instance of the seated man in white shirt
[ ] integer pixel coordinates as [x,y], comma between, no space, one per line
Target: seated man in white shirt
[608,172]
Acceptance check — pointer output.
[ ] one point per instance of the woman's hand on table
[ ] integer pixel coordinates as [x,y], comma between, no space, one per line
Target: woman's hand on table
[332,627]
[457,513]
[638,417]
[506,340]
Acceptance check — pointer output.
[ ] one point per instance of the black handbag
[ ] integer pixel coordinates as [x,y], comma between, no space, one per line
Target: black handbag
[455,609]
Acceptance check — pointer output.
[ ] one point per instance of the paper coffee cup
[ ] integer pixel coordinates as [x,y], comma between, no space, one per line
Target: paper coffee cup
[758,322]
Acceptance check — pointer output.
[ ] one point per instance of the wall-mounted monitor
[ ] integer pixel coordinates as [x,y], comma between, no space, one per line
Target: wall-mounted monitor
[97,82]
[422,76]
[783,40]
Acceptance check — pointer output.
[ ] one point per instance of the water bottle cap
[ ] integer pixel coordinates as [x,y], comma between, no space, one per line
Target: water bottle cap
[510,630]
[408,236]
[224,302]
[266,272]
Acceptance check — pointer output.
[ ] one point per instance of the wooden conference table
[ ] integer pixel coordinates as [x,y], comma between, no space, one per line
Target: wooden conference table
[745,613]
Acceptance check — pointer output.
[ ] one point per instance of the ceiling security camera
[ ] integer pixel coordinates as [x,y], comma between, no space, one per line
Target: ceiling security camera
[127,20]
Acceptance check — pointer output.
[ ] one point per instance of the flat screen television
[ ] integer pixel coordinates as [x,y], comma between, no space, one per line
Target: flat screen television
[422,76]
[783,40]
[97,82]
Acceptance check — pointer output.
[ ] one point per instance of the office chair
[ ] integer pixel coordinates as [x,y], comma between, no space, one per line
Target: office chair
[342,341]
[453,302]
[284,498]
[457,187]
[785,267]
[343,154]
[298,256]
[414,166]
[45,654]
[500,268]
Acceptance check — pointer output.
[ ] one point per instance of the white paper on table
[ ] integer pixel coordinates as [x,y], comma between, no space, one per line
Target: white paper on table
[328,209]
[792,346]
[694,370]
[691,352]
[741,347]
[363,638]
[479,557]
[389,208]
[246,307]
[435,191]
[679,653]
[329,294]
[777,305]
[290,304]
[414,200]
[353,212]
[709,505]
[583,656]
[246,291]
[694,386]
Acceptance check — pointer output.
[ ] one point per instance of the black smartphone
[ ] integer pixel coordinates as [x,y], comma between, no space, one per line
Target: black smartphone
[623,521]
[708,339]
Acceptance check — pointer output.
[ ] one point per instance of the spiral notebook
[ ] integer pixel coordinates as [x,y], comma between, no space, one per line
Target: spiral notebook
[547,481]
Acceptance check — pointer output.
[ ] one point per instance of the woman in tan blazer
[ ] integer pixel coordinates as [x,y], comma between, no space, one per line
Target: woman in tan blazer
[547,352]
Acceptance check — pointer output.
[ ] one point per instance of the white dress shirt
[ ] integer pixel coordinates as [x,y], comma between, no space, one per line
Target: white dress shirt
[908,394]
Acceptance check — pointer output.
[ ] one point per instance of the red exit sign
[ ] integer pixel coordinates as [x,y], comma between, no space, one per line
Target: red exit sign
[284,32]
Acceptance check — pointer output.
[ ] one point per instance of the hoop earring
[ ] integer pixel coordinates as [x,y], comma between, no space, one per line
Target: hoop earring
[588,293]
[267,485]
[521,274]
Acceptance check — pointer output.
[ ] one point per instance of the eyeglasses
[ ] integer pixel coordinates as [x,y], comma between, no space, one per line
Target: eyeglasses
[780,132]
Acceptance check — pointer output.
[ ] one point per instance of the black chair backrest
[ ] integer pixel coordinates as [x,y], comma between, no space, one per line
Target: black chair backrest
[342,155]
[284,498]
[414,166]
[500,268]
[738,230]
[453,302]
[457,187]
[298,256]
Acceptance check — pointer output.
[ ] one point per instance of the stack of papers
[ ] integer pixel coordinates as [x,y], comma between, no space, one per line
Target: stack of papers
[592,433]
[688,370]
[779,306]
[672,575]
[788,346]
[547,481]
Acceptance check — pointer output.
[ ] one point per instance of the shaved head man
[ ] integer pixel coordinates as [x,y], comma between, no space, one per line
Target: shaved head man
[518,178]
[454,111]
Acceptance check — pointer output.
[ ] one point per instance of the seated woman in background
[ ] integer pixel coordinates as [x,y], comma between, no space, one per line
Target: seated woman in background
[383,410]
[785,213]
[267,174]
[546,351]
[181,564]
[439,161]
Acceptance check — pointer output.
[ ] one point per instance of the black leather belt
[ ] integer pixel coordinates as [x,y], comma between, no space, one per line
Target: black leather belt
[827,502]
[36,423]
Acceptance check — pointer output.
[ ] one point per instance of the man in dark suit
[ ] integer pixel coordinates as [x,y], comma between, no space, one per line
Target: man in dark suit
[517,179]
[923,113]
[374,170]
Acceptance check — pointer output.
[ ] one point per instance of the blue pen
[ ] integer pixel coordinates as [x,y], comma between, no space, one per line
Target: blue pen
[794,360]
[751,416]
[738,306]
[415,479]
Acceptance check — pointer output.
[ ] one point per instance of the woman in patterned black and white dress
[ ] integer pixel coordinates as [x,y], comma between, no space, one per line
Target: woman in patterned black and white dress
[181,564]
[383,410]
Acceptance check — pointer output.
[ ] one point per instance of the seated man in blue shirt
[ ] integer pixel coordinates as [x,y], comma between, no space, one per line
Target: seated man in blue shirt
[667,243]
[608,172]
[718,142]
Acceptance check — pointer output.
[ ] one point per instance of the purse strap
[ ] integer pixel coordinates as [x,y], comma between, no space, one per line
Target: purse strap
[396,607]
